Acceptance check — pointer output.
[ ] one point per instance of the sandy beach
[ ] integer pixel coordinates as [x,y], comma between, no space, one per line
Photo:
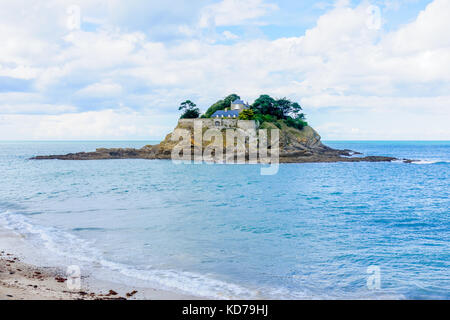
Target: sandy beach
[21,280]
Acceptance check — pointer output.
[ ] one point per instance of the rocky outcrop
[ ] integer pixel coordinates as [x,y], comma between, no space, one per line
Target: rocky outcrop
[295,146]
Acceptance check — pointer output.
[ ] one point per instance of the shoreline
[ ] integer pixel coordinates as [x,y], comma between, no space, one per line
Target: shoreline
[21,279]
[129,153]
[293,146]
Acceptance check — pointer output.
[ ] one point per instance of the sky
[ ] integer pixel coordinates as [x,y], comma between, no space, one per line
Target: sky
[118,70]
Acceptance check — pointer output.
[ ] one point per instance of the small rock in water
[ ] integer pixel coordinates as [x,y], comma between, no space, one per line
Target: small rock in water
[132,293]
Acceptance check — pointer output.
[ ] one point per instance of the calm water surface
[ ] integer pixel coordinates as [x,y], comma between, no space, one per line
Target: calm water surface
[225,231]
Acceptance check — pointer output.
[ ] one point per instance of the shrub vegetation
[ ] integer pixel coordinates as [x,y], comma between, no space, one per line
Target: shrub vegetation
[220,105]
[264,109]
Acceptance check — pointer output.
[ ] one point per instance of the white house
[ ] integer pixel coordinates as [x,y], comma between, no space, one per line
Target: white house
[239,105]
[236,107]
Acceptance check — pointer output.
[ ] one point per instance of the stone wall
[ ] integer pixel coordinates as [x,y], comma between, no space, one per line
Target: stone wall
[219,123]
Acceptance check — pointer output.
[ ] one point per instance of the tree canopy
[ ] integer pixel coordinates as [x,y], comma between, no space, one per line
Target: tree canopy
[247,114]
[221,105]
[190,110]
[264,109]
[268,109]
[280,108]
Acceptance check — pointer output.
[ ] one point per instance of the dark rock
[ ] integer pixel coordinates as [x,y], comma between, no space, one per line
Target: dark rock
[132,293]
[112,293]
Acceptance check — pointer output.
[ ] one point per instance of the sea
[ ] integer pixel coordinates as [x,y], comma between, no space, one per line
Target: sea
[310,231]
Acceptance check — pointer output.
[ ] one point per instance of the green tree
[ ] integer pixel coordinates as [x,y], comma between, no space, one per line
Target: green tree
[266,105]
[287,108]
[280,108]
[221,105]
[295,118]
[284,107]
[264,118]
[268,109]
[246,114]
[296,111]
[189,110]
[295,123]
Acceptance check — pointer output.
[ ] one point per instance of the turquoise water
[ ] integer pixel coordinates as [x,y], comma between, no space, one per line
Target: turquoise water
[225,231]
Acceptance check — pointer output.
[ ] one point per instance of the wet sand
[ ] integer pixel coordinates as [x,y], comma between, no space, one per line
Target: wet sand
[21,280]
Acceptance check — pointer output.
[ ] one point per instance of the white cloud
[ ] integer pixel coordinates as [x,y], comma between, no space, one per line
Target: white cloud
[234,12]
[339,63]
[439,104]
[423,34]
[229,35]
[36,108]
[103,89]
[104,124]
[30,103]
[19,72]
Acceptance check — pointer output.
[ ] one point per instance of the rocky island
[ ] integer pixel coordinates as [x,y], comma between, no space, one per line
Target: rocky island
[296,146]
[297,142]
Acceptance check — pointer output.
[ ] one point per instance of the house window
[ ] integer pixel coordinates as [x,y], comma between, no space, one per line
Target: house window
[217,123]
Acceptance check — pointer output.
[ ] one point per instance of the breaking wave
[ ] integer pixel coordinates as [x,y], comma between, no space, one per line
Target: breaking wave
[68,246]
[431,162]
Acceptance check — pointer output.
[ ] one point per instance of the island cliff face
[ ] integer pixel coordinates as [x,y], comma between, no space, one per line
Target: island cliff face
[295,146]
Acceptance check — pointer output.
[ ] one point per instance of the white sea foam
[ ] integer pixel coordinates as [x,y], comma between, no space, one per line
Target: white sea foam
[69,247]
[431,161]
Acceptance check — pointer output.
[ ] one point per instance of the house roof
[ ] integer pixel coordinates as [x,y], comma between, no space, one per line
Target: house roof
[238,101]
[226,114]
